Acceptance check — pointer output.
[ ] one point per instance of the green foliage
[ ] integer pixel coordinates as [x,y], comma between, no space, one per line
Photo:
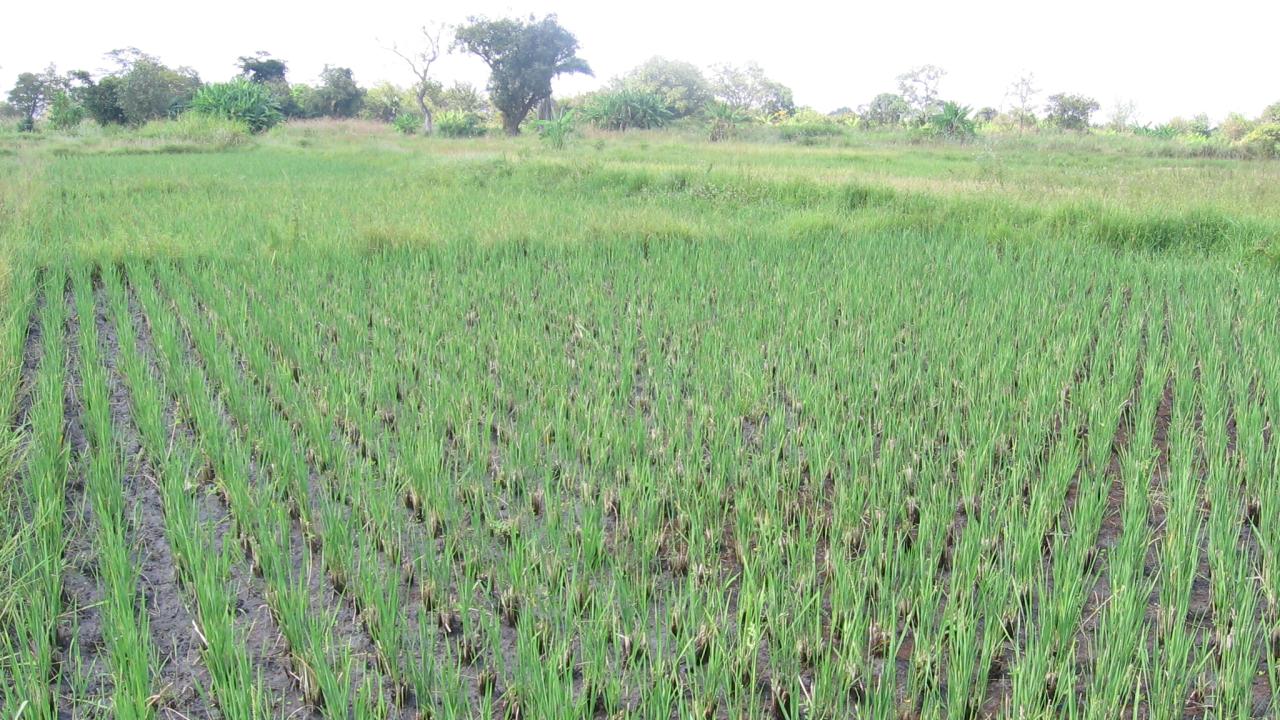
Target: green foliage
[337,95]
[1200,126]
[952,122]
[460,124]
[1235,127]
[918,88]
[556,131]
[1070,112]
[1263,141]
[193,131]
[683,88]
[642,382]
[886,110]
[262,69]
[749,90]
[463,97]
[407,124]
[149,90]
[100,99]
[807,127]
[64,112]
[240,100]
[1164,131]
[386,103]
[625,109]
[31,94]
[1270,114]
[723,120]
[523,56]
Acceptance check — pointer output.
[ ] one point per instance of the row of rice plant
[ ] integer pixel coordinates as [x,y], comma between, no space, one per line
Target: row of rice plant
[789,508]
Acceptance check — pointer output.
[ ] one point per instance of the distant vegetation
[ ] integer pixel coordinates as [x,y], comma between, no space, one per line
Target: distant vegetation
[525,54]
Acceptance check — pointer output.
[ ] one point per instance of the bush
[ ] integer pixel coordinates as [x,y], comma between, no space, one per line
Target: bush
[455,124]
[1235,127]
[952,122]
[627,108]
[407,124]
[723,120]
[555,132]
[241,101]
[1263,141]
[64,113]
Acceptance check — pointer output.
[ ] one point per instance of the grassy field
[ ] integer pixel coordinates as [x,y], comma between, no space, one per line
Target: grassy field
[334,423]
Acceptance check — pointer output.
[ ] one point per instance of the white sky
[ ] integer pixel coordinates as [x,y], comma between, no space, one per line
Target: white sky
[1170,57]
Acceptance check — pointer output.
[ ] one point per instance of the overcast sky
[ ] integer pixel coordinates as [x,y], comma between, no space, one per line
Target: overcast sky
[1169,57]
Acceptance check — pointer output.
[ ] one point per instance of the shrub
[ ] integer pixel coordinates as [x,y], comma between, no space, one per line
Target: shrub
[556,132]
[239,100]
[952,122]
[458,124]
[1263,141]
[627,108]
[1235,127]
[724,119]
[407,124]
[807,126]
[65,113]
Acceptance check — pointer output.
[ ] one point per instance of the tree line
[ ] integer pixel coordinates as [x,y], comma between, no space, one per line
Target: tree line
[524,55]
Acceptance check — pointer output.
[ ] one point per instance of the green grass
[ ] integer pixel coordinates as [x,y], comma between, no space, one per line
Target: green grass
[654,428]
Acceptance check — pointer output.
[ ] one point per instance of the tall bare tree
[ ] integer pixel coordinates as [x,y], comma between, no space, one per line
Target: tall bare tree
[919,89]
[1023,92]
[420,63]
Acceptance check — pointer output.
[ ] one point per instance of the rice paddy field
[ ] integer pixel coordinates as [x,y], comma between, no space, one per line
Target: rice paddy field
[344,425]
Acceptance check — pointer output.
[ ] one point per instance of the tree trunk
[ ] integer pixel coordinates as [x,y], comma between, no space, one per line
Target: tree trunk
[511,125]
[428,124]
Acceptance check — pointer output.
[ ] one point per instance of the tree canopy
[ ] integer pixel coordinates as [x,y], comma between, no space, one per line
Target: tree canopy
[1070,112]
[523,57]
[261,68]
[683,88]
[747,88]
[886,110]
[31,94]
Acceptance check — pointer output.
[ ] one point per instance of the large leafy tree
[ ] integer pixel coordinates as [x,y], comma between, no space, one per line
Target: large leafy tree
[31,94]
[523,57]
[1070,112]
[262,69]
[885,110]
[101,98]
[747,89]
[148,89]
[337,96]
[681,85]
